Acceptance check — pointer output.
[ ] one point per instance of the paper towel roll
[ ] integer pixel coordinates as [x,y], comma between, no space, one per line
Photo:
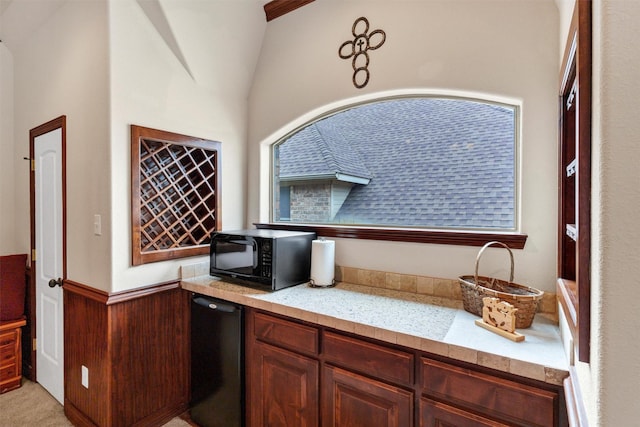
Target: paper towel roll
[322,262]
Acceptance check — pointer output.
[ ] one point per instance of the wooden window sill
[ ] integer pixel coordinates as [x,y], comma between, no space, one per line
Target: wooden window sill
[567,293]
[463,238]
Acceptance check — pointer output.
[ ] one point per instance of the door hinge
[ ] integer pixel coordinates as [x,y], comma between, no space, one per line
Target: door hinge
[33,255]
[33,165]
[34,347]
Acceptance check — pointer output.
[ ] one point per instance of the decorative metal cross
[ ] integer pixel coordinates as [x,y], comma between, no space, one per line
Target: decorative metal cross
[358,48]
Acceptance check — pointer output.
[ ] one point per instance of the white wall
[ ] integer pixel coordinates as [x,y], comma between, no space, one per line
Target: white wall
[609,383]
[613,373]
[105,66]
[61,69]
[502,49]
[9,160]
[220,42]
[565,11]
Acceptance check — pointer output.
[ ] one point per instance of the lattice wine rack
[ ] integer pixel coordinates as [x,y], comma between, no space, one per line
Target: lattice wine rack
[178,197]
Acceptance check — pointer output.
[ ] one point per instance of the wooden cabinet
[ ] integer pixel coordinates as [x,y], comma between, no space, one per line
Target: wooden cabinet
[300,374]
[284,364]
[284,388]
[500,399]
[10,354]
[437,414]
[352,400]
[282,380]
[368,358]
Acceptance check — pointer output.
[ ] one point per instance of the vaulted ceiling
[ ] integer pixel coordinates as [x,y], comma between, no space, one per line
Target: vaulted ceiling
[25,16]
[214,41]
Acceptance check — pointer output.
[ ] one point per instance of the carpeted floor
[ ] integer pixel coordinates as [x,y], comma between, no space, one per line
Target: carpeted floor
[31,405]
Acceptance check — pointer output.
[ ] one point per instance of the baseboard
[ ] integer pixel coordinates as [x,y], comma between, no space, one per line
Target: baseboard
[162,417]
[76,417]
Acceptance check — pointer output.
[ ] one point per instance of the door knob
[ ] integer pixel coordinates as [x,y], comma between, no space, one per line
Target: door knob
[55,282]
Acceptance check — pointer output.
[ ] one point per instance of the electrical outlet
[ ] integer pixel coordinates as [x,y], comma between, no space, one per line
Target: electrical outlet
[85,377]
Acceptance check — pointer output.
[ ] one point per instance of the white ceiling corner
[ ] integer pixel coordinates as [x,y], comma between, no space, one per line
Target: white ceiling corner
[19,19]
[4,4]
[153,10]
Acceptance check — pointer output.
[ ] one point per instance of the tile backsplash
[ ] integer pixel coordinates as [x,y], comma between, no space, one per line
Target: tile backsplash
[425,285]
[190,271]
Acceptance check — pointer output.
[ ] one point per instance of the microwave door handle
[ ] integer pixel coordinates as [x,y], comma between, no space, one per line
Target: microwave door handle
[255,254]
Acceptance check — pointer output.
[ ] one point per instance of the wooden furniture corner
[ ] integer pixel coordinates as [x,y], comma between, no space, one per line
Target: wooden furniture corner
[11,354]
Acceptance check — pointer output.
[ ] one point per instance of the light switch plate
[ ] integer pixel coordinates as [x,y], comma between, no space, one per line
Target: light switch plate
[97,225]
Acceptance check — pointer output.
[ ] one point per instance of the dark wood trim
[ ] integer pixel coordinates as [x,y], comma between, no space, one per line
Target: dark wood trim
[85,291]
[583,60]
[132,294]
[513,240]
[57,123]
[277,8]
[28,330]
[577,66]
[117,297]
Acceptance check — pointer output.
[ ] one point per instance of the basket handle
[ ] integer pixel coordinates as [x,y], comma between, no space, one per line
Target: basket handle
[485,247]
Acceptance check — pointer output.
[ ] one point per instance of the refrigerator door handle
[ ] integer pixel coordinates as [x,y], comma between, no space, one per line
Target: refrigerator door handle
[213,304]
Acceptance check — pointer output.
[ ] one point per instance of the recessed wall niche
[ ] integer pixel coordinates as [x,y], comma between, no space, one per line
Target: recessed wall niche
[175,194]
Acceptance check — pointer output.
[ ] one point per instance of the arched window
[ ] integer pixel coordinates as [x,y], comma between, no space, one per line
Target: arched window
[414,163]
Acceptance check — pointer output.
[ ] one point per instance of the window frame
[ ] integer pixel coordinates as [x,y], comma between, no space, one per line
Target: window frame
[515,239]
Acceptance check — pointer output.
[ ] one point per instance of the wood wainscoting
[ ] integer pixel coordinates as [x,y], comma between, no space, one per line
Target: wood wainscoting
[135,346]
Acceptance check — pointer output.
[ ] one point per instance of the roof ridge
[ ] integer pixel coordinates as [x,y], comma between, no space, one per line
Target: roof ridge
[344,157]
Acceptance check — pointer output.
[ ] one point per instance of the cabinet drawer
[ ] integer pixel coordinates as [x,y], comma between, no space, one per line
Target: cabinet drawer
[435,414]
[371,359]
[283,333]
[504,399]
[7,354]
[8,372]
[8,338]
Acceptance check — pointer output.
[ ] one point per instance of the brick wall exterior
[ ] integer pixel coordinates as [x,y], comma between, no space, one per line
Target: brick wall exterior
[311,203]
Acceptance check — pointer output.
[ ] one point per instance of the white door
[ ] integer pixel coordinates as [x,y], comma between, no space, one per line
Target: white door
[49,262]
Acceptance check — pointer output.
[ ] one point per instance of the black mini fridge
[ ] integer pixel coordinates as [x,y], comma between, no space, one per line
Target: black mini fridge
[217,358]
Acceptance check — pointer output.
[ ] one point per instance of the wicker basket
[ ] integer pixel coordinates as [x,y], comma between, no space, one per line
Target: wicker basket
[524,298]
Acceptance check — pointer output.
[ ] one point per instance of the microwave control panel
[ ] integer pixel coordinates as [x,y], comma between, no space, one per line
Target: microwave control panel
[266,252]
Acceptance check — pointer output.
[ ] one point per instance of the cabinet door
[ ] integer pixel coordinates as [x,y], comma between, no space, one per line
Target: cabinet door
[282,387]
[436,414]
[351,400]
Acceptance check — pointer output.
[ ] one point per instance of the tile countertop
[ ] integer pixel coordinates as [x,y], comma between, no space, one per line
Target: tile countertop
[421,322]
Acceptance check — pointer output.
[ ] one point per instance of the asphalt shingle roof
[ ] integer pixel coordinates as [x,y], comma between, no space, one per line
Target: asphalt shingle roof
[432,162]
[320,149]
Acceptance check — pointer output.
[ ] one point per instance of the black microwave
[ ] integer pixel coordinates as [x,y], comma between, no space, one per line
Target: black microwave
[267,259]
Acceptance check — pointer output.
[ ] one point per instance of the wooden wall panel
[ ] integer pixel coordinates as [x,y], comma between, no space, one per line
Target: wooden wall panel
[136,346]
[150,356]
[86,344]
